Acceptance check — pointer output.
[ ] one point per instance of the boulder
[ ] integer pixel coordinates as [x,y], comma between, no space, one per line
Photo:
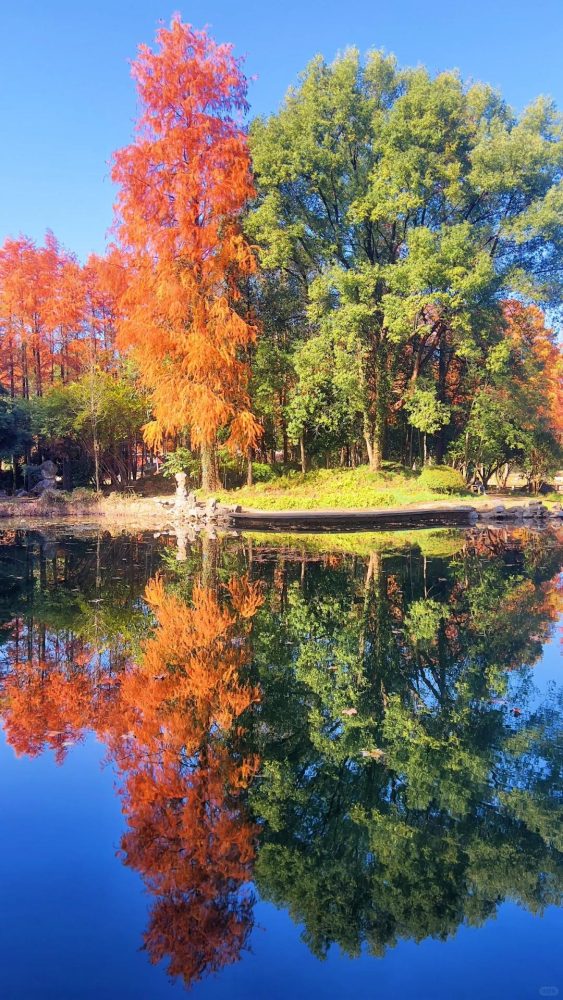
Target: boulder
[181,497]
[48,470]
[515,511]
[42,485]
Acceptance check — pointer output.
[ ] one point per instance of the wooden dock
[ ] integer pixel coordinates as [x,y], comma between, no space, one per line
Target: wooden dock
[378,519]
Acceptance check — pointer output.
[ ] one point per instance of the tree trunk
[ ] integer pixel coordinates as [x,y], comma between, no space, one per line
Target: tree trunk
[303,454]
[209,470]
[374,437]
[96,460]
[249,468]
[67,473]
[442,373]
[285,442]
[209,561]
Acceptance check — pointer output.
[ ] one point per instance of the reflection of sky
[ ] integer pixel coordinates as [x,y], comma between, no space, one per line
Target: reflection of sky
[72,916]
[537,685]
[550,668]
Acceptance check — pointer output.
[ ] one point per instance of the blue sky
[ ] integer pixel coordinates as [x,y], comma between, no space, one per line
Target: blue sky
[67,100]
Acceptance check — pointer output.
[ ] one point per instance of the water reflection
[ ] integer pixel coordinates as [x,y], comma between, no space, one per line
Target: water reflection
[355,733]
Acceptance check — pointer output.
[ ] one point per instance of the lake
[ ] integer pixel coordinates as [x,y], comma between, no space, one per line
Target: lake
[281,766]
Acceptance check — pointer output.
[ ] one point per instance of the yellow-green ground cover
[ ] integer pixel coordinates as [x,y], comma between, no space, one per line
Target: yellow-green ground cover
[339,488]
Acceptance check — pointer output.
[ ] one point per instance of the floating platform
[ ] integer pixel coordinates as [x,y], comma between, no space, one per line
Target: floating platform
[379,519]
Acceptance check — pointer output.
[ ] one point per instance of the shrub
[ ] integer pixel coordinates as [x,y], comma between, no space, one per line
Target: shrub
[181,460]
[49,497]
[83,495]
[263,473]
[442,479]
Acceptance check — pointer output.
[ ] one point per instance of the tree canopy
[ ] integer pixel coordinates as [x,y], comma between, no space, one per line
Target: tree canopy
[368,273]
[403,210]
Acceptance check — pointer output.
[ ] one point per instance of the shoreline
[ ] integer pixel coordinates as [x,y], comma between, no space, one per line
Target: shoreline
[162,513]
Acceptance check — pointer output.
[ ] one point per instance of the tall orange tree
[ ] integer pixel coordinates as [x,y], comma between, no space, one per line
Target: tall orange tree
[183,183]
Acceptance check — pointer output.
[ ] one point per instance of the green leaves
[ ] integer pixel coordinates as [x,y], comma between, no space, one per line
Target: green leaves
[405,207]
[425,410]
[14,426]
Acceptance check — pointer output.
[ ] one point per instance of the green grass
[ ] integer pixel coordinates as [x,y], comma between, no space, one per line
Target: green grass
[358,488]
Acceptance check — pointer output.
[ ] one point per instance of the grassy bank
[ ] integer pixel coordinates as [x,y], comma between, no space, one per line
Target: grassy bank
[339,488]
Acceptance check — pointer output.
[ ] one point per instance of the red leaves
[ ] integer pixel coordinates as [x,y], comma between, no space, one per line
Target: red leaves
[55,316]
[184,182]
[541,359]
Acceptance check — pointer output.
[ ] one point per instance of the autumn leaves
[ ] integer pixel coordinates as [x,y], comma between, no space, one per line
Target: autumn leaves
[172,292]
[183,185]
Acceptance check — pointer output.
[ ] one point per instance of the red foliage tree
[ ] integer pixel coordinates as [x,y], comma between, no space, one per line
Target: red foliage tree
[184,182]
[179,752]
[541,358]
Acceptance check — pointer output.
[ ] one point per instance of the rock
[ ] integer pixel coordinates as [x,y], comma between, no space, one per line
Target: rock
[48,470]
[49,494]
[21,493]
[515,511]
[42,486]
[181,496]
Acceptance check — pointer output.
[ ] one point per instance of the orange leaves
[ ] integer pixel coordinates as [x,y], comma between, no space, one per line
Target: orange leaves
[184,771]
[541,358]
[247,597]
[55,316]
[183,184]
[192,664]
[174,726]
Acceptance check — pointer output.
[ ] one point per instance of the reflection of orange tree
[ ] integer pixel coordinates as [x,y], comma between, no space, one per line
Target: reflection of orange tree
[178,749]
[171,723]
[53,692]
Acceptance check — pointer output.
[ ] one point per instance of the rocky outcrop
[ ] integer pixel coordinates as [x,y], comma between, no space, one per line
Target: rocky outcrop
[535,510]
[47,479]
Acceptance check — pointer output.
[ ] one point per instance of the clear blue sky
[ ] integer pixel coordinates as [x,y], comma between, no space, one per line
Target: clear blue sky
[67,100]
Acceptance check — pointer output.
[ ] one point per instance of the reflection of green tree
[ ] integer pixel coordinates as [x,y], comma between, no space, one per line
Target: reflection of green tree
[89,587]
[408,773]
[408,781]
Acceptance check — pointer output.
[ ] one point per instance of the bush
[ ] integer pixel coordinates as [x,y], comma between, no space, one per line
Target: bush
[49,497]
[181,460]
[263,473]
[442,479]
[83,495]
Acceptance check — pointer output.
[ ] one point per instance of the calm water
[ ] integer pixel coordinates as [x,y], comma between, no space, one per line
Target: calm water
[281,767]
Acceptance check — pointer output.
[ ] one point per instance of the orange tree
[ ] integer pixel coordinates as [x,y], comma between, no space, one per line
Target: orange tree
[183,184]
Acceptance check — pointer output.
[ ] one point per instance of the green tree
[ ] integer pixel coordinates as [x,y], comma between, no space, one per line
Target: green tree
[425,412]
[400,737]
[100,415]
[15,436]
[403,207]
